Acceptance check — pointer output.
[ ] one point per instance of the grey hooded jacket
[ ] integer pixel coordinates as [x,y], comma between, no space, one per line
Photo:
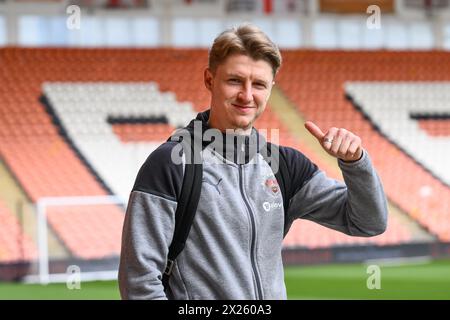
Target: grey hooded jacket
[234,247]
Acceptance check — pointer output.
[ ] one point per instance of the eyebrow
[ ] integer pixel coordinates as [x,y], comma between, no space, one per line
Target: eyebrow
[235,75]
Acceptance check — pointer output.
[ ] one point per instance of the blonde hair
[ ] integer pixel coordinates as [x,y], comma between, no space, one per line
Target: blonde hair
[245,39]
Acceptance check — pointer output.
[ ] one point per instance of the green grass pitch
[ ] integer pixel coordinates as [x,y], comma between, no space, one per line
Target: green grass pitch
[413,281]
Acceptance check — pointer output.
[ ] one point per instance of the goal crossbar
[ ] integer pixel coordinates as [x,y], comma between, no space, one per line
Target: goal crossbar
[42,228]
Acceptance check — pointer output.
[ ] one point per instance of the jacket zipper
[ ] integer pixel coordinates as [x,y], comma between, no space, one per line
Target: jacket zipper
[259,294]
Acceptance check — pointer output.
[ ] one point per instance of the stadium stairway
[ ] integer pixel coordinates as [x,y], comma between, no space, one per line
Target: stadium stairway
[15,244]
[17,203]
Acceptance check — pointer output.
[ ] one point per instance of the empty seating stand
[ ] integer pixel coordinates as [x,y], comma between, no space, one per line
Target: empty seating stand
[315,81]
[45,164]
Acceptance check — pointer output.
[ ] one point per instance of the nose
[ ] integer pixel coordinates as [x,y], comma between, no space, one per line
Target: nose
[245,95]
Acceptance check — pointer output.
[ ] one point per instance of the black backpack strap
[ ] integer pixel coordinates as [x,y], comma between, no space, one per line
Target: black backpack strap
[184,214]
[283,179]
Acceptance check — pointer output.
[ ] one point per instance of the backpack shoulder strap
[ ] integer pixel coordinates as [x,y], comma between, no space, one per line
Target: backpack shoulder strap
[283,179]
[184,214]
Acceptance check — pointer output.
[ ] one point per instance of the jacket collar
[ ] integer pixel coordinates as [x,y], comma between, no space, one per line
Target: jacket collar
[231,146]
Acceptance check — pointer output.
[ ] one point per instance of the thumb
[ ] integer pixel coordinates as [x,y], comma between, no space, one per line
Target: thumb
[314,130]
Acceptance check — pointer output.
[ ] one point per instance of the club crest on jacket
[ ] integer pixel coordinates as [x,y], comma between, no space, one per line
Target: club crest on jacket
[271,186]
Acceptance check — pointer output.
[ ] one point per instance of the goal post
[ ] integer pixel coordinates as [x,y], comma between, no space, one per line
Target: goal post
[44,276]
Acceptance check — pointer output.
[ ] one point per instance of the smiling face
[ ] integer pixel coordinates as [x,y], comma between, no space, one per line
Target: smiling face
[240,88]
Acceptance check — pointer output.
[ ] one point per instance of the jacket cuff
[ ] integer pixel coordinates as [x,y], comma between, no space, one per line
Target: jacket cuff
[362,162]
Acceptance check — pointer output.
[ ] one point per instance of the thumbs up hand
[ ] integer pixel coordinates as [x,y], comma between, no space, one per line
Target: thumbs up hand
[338,142]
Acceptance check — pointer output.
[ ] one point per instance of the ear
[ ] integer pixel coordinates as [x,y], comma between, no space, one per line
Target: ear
[270,91]
[208,78]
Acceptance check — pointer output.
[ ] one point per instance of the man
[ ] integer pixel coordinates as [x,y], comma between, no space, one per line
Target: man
[234,246]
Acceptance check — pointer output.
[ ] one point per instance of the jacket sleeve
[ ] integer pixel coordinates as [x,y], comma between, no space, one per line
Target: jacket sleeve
[149,226]
[357,207]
